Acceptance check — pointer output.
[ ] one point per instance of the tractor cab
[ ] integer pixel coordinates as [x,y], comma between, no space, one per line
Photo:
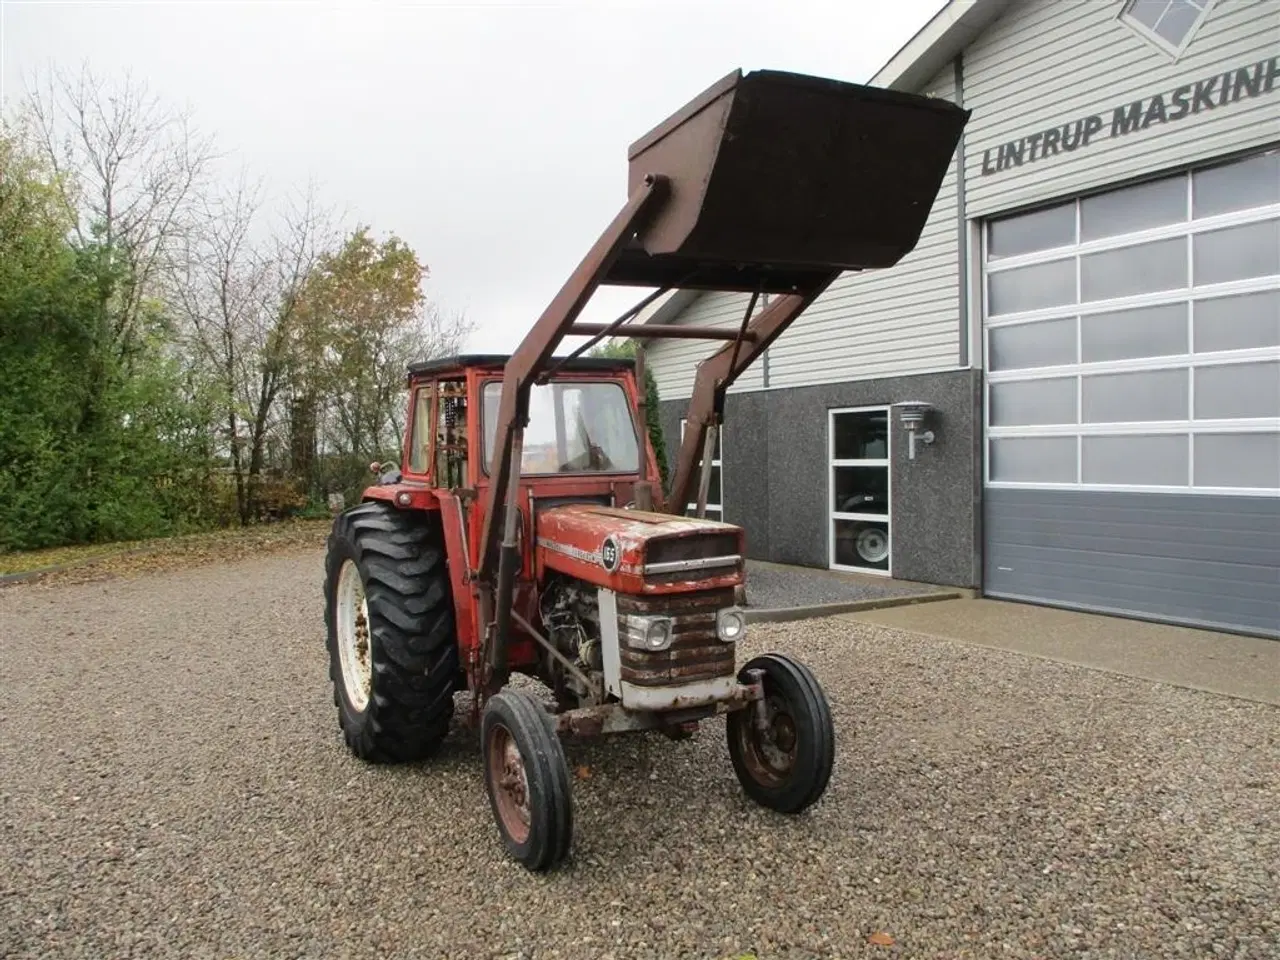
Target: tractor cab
[583,439]
[578,539]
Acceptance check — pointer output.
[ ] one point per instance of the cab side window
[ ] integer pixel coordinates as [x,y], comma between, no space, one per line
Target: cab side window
[420,442]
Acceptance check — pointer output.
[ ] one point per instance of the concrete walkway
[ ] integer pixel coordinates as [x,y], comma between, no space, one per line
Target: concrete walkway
[1245,667]
[777,591]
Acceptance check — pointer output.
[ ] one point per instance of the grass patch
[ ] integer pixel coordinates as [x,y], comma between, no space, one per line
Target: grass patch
[93,561]
[24,561]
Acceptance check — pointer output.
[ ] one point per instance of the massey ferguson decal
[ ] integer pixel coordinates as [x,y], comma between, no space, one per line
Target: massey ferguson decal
[1211,93]
[568,550]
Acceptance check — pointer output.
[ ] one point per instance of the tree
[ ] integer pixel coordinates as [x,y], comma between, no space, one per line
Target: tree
[366,319]
[156,326]
[129,172]
[136,465]
[219,285]
[242,303]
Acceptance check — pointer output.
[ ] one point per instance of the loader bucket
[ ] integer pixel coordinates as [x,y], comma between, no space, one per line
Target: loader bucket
[776,178]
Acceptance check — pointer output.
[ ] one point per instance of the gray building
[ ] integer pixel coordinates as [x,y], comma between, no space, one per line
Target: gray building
[1092,316]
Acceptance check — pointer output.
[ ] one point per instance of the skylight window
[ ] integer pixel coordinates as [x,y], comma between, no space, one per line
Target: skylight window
[1169,24]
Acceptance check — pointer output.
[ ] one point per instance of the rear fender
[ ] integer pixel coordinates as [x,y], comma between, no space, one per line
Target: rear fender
[404,496]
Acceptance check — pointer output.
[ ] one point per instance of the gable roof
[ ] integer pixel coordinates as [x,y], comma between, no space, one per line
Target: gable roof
[937,43]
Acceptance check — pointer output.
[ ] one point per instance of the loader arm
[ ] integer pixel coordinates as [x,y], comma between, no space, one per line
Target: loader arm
[531,357]
[499,559]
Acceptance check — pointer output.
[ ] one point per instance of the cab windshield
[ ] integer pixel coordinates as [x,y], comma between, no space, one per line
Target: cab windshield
[574,427]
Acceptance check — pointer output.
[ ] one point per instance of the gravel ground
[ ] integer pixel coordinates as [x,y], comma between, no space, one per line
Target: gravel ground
[771,587]
[174,785]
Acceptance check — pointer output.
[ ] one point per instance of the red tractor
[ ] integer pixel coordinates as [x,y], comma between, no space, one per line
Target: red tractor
[526,530]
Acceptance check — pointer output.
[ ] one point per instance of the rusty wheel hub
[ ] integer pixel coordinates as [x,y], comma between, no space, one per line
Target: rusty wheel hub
[511,784]
[770,749]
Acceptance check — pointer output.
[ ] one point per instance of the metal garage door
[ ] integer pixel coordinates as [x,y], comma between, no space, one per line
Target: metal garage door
[1132,344]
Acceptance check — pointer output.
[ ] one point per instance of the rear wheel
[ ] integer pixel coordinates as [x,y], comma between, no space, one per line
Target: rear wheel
[787,765]
[393,655]
[527,779]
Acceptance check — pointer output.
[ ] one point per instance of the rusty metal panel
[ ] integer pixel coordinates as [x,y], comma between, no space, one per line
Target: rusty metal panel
[696,653]
[578,539]
[772,171]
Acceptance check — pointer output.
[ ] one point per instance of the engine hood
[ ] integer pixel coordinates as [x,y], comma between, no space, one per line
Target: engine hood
[636,551]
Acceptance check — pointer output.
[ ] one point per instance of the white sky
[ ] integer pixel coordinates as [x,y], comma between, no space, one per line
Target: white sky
[490,136]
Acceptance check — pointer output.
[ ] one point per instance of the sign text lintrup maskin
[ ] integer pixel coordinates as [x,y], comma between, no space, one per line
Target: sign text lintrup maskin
[1211,93]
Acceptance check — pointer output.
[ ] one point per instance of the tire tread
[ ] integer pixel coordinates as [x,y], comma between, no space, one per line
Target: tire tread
[412,625]
[548,773]
[813,779]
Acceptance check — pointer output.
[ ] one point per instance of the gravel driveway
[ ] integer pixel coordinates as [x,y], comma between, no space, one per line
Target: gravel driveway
[174,785]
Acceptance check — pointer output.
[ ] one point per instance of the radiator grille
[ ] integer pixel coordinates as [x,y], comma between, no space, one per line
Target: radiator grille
[695,652]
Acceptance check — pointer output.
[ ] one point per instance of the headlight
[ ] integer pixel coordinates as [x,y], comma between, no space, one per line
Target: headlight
[731,624]
[658,634]
[646,633]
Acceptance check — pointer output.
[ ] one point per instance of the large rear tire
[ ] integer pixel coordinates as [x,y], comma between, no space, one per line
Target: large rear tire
[393,654]
[527,779]
[787,766]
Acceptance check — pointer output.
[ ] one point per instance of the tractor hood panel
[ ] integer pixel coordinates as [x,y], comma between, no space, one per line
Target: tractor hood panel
[636,551]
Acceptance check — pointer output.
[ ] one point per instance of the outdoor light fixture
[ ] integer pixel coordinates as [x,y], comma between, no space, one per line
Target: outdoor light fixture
[912,413]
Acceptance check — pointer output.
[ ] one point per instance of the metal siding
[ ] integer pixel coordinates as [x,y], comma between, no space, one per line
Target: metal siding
[884,323]
[675,362]
[1211,561]
[1045,63]
[876,324]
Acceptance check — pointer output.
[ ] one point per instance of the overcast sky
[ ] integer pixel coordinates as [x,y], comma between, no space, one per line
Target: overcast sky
[490,136]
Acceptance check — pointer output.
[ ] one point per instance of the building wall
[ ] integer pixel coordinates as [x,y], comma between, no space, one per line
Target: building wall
[776,477]
[878,323]
[1044,64]
[1050,64]
[675,362]
[1193,557]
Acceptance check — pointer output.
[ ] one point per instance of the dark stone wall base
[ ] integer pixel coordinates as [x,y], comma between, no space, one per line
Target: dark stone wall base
[776,473]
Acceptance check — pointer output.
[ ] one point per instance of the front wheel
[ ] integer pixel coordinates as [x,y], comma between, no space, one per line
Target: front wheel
[785,765]
[527,779]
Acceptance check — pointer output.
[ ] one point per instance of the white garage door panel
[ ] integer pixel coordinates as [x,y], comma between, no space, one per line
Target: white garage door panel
[1132,346]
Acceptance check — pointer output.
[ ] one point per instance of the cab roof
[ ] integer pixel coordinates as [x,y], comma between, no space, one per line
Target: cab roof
[499,360]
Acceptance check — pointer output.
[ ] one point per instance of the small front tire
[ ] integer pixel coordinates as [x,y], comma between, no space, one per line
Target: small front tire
[787,766]
[527,779]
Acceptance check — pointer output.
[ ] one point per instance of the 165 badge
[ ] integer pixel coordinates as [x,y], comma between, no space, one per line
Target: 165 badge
[610,555]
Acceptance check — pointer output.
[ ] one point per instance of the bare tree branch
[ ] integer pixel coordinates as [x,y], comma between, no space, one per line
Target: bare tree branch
[131,170]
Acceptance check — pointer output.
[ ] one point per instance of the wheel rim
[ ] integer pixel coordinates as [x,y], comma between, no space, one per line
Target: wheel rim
[510,783]
[769,754]
[872,545]
[353,636]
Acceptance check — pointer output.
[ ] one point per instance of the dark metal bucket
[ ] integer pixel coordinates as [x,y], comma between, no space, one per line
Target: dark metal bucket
[778,177]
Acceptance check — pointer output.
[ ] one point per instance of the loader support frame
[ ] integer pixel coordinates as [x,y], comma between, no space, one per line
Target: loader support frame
[766,183]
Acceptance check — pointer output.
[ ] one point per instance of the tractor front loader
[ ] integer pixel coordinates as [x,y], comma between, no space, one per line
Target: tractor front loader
[526,531]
